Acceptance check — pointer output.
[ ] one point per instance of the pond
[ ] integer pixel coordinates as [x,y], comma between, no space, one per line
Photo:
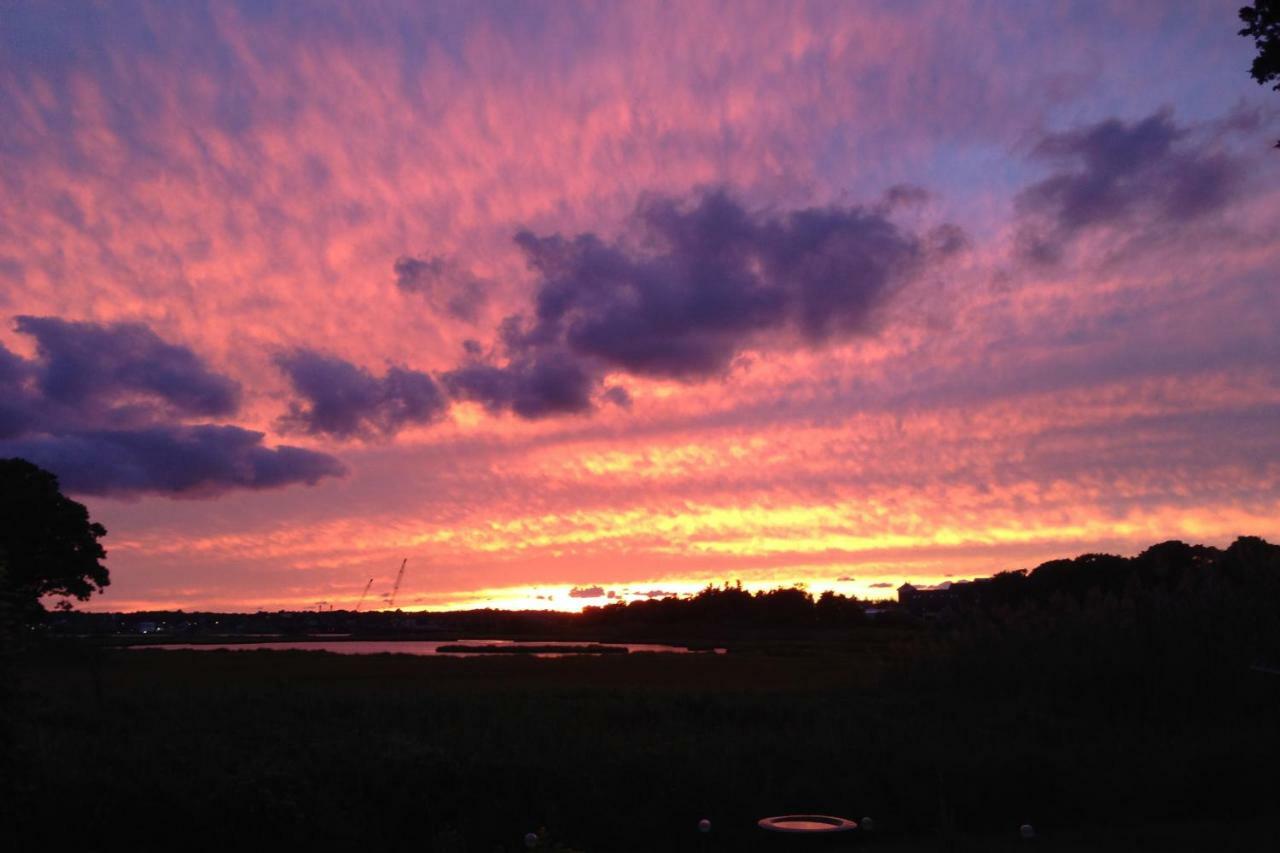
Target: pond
[433,647]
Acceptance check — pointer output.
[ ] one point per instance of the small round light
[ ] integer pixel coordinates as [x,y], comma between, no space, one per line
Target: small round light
[531,840]
[866,824]
[704,825]
[1027,831]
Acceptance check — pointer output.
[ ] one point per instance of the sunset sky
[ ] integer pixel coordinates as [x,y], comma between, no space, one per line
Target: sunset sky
[563,302]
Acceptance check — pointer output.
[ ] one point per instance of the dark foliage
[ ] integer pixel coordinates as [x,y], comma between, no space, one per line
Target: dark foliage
[1262,24]
[48,543]
[730,606]
[1167,568]
[10,637]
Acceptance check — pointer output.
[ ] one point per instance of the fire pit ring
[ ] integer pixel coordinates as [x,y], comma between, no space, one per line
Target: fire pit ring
[807,823]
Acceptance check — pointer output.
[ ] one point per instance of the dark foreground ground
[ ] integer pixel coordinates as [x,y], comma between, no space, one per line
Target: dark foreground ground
[147,749]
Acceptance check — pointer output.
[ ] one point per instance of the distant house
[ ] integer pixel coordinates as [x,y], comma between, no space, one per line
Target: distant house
[926,599]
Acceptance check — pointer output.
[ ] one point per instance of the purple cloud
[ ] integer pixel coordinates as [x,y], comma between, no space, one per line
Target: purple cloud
[88,366]
[444,284]
[199,460]
[344,400]
[533,385]
[1116,173]
[103,407]
[699,282]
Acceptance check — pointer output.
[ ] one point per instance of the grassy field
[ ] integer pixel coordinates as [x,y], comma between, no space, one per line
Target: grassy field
[218,749]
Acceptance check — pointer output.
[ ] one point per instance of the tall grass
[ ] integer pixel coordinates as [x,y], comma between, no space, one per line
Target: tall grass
[216,749]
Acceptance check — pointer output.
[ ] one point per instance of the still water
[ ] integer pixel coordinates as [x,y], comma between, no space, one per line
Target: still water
[418,647]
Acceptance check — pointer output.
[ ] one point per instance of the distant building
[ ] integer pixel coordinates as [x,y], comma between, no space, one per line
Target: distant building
[926,599]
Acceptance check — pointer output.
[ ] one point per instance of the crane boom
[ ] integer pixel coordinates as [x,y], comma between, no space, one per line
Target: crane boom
[395,589]
[363,594]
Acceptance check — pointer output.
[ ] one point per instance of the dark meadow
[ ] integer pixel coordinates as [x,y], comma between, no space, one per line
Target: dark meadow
[1109,703]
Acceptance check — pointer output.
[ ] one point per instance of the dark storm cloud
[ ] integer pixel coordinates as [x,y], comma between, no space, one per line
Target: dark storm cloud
[178,460]
[712,276]
[102,406]
[14,369]
[344,400]
[444,284]
[699,282]
[1114,173]
[15,406]
[81,364]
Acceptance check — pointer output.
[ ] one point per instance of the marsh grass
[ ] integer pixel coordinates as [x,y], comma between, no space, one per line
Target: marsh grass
[271,749]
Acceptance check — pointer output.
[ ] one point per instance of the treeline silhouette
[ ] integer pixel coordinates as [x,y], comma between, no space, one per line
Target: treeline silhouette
[731,606]
[1246,572]
[1169,567]
[728,607]
[1165,641]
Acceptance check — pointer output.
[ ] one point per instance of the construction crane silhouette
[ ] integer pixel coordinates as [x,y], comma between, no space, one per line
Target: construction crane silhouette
[391,602]
[363,594]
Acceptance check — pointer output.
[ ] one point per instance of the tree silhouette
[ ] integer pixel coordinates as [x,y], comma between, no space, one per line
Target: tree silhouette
[1262,24]
[47,542]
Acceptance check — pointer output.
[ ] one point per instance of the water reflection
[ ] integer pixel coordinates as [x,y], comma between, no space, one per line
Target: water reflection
[428,647]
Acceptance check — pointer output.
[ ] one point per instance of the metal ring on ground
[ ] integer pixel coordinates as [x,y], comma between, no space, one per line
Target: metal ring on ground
[807,823]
